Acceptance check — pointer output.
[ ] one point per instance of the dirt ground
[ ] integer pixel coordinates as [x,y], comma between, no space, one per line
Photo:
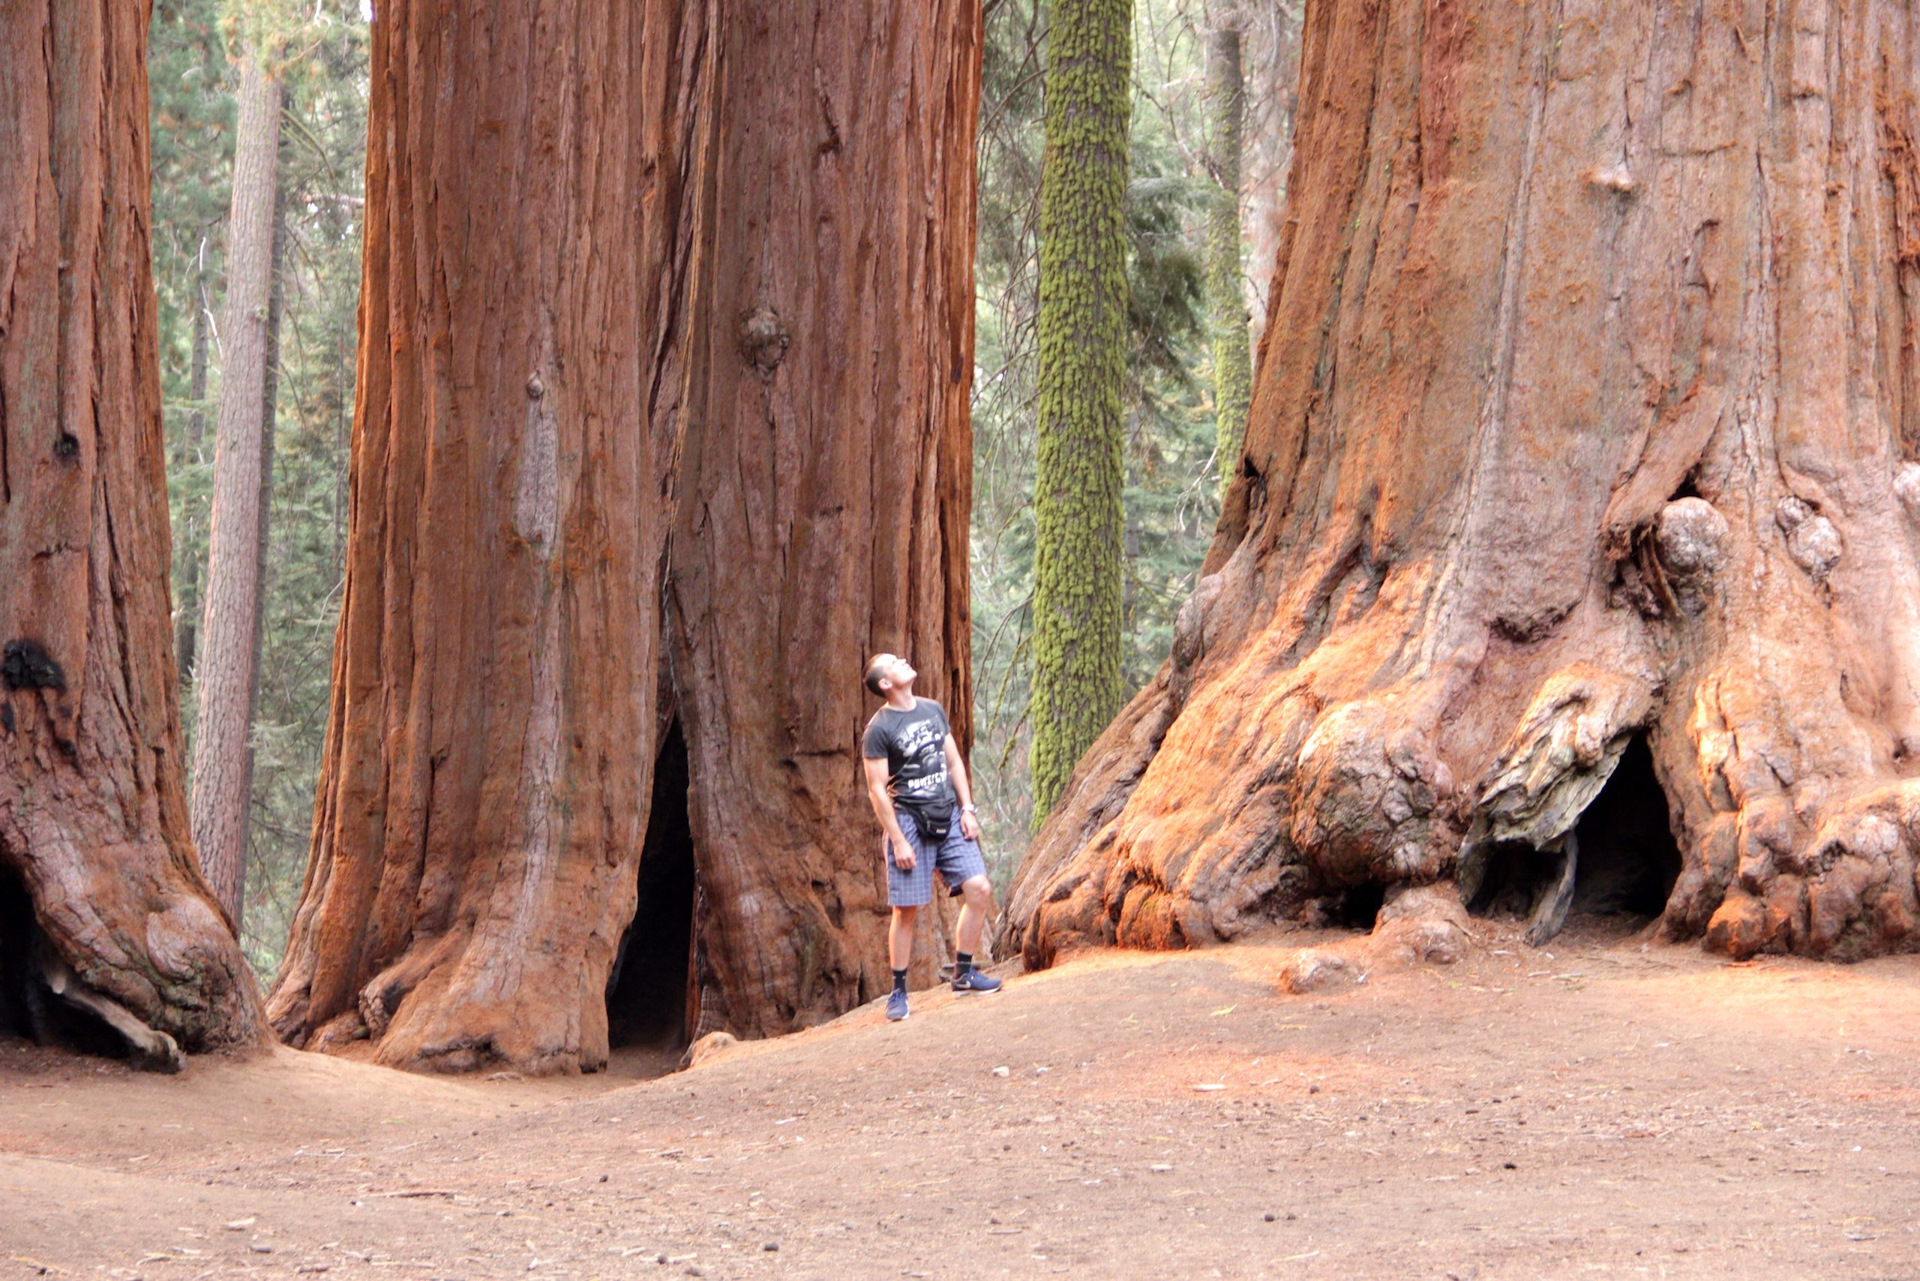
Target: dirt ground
[1603,1106]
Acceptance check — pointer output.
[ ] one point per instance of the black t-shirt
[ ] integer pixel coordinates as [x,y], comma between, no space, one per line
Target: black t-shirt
[913,744]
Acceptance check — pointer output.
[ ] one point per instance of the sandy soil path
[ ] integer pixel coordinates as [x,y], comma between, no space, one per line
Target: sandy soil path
[1603,1107]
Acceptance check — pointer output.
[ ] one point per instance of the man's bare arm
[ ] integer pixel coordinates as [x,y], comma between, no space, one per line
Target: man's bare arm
[883,810]
[957,775]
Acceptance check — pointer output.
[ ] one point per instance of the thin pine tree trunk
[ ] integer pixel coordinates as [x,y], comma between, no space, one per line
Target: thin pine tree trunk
[186,628]
[1270,78]
[342,421]
[1226,285]
[1077,684]
[269,421]
[224,680]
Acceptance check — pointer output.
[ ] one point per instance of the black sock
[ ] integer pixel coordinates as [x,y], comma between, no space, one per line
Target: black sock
[962,964]
[899,980]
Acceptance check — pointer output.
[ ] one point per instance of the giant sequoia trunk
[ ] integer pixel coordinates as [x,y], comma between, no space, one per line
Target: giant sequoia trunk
[93,822]
[1584,416]
[665,345]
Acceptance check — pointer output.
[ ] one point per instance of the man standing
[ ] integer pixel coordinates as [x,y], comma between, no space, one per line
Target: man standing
[918,785]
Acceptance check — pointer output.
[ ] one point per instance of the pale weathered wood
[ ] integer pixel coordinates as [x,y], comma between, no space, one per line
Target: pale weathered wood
[224,677]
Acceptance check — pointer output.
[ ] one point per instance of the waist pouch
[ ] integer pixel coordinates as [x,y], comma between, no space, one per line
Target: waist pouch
[933,818]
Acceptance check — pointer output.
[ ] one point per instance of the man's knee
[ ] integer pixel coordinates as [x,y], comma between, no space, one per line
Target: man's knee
[905,915]
[978,891]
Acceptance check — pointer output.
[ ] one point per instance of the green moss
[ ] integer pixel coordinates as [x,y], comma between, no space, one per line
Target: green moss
[1226,291]
[1077,685]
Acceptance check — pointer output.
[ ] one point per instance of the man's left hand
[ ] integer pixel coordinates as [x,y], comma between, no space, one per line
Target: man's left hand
[970,825]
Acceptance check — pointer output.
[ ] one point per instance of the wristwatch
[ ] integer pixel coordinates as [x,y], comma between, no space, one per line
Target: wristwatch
[968,809]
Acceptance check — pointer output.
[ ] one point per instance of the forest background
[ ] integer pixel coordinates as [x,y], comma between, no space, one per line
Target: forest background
[1171,497]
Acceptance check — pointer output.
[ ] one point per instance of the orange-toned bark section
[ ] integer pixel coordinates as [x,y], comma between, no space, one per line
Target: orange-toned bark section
[1583,414]
[92,814]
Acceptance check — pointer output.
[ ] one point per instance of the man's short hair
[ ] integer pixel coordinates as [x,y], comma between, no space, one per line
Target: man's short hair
[875,676]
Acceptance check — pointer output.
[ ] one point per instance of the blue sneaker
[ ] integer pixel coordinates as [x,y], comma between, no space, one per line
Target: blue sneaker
[975,981]
[897,1006]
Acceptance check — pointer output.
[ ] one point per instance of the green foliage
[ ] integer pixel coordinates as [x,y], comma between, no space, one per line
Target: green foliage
[1167,421]
[283,31]
[322,167]
[192,109]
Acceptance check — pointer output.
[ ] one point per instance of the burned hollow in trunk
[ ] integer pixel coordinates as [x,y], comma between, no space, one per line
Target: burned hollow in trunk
[1619,860]
[648,997]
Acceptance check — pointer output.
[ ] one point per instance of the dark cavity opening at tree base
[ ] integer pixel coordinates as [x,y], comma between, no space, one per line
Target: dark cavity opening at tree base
[28,1006]
[1620,859]
[1358,907]
[647,991]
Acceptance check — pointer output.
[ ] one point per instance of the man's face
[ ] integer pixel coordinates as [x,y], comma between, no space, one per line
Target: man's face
[897,671]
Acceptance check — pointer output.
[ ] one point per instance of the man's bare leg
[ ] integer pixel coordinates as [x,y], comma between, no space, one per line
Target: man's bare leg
[900,936]
[976,905]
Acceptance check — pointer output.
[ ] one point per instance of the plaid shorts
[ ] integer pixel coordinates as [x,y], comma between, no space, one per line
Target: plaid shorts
[957,859]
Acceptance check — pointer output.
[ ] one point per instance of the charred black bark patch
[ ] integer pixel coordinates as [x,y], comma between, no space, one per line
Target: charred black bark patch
[26,664]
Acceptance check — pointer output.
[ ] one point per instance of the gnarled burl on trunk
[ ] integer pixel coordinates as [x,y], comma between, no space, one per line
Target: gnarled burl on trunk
[666,341]
[96,864]
[1586,412]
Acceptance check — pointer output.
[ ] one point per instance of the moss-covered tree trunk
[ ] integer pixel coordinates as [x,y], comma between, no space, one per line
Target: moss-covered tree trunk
[1083,320]
[1588,412]
[1226,281]
[93,817]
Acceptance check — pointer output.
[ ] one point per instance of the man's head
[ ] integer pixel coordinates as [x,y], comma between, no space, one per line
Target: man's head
[888,672]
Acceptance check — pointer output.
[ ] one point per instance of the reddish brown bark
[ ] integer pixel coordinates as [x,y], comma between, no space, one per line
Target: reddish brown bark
[666,333]
[826,481]
[92,814]
[1583,416]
